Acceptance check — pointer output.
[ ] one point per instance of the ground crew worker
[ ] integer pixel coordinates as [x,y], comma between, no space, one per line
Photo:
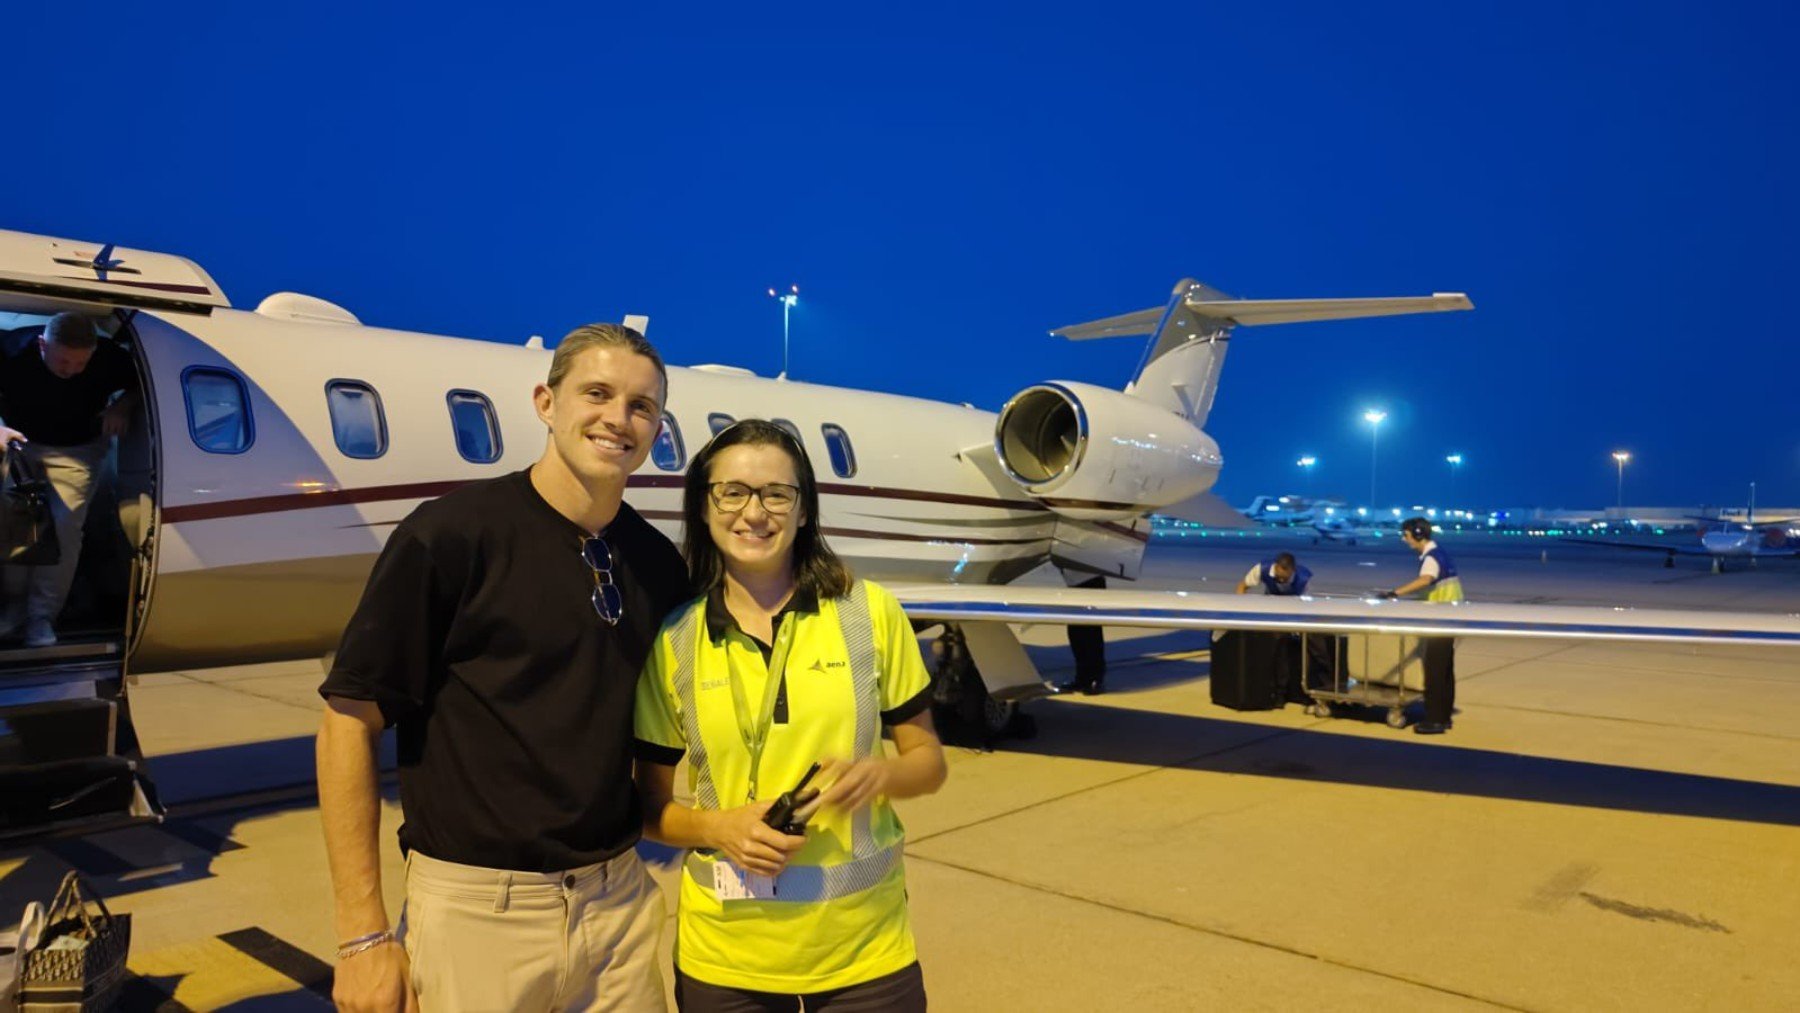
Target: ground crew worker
[1087,644]
[1438,579]
[785,661]
[1281,575]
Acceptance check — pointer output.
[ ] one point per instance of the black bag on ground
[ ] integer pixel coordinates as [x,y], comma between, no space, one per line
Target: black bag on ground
[80,962]
[1250,669]
[27,532]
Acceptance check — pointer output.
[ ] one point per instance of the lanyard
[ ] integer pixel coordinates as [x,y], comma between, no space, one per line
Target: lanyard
[755,732]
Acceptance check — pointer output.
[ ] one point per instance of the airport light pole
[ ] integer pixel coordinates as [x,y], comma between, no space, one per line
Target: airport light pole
[1306,467]
[787,300]
[1621,457]
[1373,417]
[1455,462]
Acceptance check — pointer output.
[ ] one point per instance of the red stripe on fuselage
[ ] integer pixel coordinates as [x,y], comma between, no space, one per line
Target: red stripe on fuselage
[428,490]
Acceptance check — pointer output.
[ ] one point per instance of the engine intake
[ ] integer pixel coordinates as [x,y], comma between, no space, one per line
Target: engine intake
[1100,454]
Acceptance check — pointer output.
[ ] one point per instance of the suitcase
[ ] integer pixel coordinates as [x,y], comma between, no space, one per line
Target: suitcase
[1250,669]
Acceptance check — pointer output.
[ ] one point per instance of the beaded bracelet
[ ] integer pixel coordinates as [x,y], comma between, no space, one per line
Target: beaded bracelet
[368,942]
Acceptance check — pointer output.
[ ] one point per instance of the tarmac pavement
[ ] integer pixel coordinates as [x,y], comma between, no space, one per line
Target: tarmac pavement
[1607,827]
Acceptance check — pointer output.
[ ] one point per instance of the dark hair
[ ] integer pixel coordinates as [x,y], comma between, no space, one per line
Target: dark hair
[1418,527]
[817,569]
[1285,559]
[71,330]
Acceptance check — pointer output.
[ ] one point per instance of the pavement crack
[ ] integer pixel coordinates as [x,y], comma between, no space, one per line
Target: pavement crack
[1219,933]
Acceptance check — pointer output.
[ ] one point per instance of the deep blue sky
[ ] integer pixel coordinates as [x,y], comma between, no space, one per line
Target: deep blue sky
[1615,186]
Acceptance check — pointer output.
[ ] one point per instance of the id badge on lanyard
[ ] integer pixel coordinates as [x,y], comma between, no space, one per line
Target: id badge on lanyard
[755,731]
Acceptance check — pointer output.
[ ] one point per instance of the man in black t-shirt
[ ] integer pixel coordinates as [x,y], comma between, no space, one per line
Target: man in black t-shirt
[57,396]
[501,633]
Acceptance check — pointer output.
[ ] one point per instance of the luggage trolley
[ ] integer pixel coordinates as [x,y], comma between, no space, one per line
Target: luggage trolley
[1367,669]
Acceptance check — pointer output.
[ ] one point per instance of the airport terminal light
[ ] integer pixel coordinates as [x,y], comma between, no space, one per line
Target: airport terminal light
[1621,457]
[787,300]
[1306,465]
[1455,462]
[1373,417]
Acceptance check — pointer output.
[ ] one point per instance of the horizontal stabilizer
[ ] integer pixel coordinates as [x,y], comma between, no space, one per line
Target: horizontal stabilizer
[1292,311]
[1124,325]
[1251,312]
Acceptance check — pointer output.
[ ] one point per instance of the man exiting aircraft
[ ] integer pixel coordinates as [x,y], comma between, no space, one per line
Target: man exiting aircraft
[502,632]
[57,394]
[1438,578]
[1281,575]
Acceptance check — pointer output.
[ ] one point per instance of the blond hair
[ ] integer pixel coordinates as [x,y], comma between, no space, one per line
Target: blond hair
[603,336]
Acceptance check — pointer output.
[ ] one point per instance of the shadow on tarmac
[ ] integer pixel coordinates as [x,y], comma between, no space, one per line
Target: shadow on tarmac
[1179,741]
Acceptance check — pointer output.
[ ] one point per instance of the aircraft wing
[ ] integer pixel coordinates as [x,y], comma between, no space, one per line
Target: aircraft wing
[1679,550]
[1689,550]
[1215,611]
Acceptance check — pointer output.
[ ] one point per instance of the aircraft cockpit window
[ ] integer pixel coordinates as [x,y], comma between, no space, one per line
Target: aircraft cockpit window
[789,428]
[477,430]
[718,422]
[668,451]
[218,410]
[357,421]
[843,456]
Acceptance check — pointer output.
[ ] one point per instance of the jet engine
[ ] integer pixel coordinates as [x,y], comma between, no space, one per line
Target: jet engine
[1092,453]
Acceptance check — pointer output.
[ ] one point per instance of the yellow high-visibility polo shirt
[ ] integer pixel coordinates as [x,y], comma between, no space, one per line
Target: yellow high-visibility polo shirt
[860,931]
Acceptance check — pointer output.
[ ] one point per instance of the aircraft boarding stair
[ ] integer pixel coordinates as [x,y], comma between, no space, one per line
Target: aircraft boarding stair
[69,760]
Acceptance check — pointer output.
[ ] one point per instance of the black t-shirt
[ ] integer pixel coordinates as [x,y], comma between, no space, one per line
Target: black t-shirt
[58,412]
[512,698]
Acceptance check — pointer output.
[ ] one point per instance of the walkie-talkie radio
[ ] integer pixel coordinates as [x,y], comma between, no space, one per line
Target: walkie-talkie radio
[781,815]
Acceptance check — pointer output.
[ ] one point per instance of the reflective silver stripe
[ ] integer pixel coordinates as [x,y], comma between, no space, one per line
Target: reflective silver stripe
[682,638]
[809,884]
[865,674]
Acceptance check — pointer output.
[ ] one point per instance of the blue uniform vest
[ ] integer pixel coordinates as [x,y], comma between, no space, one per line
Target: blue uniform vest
[1272,586]
[1447,586]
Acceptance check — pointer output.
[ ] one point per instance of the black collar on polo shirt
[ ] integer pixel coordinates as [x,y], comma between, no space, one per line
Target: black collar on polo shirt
[720,621]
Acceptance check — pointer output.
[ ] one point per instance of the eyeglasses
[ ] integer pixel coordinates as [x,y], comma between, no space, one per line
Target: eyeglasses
[607,601]
[776,497]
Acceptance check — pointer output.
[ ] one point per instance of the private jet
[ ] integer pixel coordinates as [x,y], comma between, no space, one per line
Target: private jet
[276,447]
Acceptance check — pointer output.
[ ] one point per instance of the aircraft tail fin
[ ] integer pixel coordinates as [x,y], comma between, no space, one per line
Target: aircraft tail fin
[1188,336]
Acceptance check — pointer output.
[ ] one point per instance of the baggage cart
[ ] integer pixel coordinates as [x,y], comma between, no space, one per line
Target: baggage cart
[1364,669]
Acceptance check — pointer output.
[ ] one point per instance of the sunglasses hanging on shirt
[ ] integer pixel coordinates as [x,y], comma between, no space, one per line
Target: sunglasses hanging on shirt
[607,602]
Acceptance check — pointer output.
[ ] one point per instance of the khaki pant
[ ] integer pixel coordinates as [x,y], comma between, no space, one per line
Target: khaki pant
[39,591]
[489,939]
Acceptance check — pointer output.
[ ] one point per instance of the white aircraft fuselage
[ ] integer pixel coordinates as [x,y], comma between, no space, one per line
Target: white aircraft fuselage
[254,520]
[279,538]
